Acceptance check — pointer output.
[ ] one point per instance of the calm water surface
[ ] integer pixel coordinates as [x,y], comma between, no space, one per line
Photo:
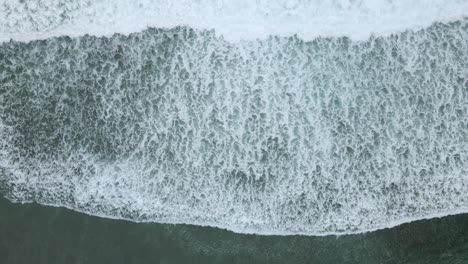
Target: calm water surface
[32,233]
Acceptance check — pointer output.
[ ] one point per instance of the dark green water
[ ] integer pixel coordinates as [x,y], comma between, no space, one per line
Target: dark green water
[31,233]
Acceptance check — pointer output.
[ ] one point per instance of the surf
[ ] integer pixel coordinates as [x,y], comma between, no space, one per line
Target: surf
[234,20]
[273,136]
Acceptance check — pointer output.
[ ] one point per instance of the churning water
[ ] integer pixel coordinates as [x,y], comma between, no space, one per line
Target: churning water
[268,117]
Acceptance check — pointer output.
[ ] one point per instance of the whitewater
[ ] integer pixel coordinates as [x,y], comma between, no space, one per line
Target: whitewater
[265,117]
[234,20]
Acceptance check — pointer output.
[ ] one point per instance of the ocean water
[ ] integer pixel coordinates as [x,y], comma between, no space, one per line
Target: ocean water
[233,20]
[297,117]
[31,233]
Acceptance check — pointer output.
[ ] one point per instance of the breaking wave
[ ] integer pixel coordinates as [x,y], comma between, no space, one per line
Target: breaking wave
[270,136]
[234,19]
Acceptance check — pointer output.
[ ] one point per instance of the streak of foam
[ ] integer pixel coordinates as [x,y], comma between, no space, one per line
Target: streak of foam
[234,19]
[278,136]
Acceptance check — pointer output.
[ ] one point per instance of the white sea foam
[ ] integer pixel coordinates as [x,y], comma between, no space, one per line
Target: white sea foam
[277,136]
[234,19]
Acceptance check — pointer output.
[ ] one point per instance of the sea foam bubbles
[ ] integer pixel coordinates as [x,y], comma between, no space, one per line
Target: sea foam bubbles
[233,19]
[273,136]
